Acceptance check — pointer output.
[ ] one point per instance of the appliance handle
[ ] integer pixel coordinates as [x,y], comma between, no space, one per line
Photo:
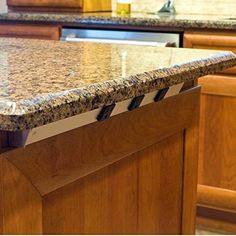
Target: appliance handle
[115,41]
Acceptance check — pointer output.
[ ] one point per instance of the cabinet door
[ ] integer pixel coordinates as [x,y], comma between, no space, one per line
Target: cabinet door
[217,149]
[30,31]
[60,5]
[45,3]
[217,163]
[212,40]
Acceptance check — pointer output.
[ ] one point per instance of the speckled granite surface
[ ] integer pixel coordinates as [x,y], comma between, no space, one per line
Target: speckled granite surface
[136,19]
[45,81]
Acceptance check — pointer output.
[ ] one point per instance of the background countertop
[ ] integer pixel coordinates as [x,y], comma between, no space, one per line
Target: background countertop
[183,21]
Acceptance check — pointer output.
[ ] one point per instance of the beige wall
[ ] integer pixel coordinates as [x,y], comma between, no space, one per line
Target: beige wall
[227,7]
[3,6]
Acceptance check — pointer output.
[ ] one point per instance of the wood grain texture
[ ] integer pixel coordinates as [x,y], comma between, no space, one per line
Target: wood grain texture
[129,197]
[48,174]
[217,161]
[46,3]
[217,149]
[48,32]
[216,224]
[218,198]
[21,203]
[60,5]
[212,40]
[191,156]
[219,85]
[102,202]
[156,175]
[131,174]
[96,5]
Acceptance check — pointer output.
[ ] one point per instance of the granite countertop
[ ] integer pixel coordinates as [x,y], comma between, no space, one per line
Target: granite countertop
[45,81]
[188,21]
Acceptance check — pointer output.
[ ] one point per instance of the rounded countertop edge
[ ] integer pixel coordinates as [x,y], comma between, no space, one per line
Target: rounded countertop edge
[44,110]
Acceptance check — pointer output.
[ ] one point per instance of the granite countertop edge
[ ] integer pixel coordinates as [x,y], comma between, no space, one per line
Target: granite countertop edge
[142,20]
[42,110]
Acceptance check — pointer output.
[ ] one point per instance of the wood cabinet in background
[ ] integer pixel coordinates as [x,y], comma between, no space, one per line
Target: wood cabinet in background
[217,160]
[212,40]
[50,32]
[60,5]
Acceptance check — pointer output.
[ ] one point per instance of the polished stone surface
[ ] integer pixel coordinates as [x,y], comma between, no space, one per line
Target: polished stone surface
[136,19]
[44,81]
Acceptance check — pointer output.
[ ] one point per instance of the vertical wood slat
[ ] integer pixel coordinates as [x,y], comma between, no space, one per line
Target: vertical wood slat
[156,177]
[190,177]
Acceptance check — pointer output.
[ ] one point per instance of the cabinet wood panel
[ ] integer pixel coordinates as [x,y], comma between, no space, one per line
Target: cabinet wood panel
[19,205]
[60,5]
[217,144]
[129,197]
[212,40]
[217,160]
[223,226]
[139,175]
[49,32]
[45,3]
[220,85]
[217,149]
[217,208]
[217,198]
[48,177]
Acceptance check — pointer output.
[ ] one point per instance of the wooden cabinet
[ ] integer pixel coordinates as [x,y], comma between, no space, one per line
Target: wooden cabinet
[212,40]
[45,3]
[217,160]
[106,178]
[50,32]
[60,5]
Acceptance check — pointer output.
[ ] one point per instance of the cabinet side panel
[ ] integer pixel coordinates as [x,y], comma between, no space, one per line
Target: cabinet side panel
[22,211]
[139,194]
[218,155]
[160,187]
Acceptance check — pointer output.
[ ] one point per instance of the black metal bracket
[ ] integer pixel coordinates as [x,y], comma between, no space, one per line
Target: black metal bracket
[105,113]
[135,103]
[161,94]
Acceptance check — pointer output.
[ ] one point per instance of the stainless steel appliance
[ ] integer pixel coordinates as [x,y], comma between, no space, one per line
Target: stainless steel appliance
[121,37]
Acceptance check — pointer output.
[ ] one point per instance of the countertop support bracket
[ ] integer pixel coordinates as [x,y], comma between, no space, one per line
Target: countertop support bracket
[24,138]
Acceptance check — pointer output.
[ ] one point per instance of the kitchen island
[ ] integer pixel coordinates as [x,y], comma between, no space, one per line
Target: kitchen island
[100,138]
